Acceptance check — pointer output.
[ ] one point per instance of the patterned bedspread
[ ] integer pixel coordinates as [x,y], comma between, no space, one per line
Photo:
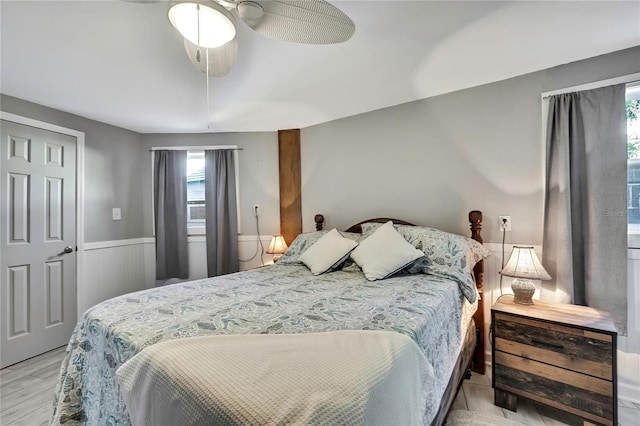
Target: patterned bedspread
[275,299]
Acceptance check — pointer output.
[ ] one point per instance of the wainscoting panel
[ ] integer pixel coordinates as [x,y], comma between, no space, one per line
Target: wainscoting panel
[251,254]
[111,268]
[629,345]
[248,248]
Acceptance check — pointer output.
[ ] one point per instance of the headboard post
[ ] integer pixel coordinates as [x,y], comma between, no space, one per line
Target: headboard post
[478,363]
[475,219]
[319,219]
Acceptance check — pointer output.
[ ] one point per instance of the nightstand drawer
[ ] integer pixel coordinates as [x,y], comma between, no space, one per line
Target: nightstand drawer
[571,348]
[580,394]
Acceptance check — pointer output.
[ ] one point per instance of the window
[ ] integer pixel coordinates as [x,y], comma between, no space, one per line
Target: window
[633,158]
[195,189]
[196,215]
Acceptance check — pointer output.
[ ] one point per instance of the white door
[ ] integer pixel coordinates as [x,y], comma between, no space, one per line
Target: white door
[37,241]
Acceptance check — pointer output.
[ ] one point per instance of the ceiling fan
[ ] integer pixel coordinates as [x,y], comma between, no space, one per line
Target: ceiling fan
[209,26]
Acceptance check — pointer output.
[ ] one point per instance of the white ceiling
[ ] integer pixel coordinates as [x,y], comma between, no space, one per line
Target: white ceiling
[123,63]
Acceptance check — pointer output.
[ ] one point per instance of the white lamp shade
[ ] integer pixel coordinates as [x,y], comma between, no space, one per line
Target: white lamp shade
[203,23]
[524,263]
[277,245]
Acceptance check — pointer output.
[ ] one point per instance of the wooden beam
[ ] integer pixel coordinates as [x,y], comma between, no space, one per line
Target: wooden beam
[290,184]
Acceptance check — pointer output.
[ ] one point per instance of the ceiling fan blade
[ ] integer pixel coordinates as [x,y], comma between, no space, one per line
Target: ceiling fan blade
[298,21]
[221,59]
[143,1]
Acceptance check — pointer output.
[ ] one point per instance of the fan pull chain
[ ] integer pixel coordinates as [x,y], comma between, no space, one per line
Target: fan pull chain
[198,56]
[208,96]
[199,59]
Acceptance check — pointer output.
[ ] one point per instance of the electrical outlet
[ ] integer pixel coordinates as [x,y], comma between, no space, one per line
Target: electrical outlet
[256,210]
[505,223]
[116,213]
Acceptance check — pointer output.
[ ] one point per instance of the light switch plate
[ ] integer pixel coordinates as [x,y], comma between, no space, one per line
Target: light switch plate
[116,213]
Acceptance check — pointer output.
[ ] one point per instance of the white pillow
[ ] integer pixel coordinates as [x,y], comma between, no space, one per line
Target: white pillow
[384,253]
[327,252]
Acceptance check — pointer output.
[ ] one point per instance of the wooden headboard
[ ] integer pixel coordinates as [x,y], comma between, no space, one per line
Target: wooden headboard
[475,221]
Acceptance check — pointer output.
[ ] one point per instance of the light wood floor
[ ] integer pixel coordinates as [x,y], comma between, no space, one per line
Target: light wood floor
[27,388]
[26,395]
[477,395]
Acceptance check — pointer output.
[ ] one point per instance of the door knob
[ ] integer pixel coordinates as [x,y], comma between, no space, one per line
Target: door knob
[66,250]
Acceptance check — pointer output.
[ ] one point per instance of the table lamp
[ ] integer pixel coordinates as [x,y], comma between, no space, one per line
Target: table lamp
[277,247]
[524,266]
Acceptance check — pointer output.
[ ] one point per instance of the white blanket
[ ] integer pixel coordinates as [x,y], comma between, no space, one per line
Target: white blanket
[341,377]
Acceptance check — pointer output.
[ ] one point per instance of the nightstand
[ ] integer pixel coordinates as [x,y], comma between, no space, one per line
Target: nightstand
[557,354]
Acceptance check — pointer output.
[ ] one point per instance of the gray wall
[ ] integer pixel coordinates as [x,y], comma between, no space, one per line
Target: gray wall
[112,172]
[427,161]
[258,162]
[433,160]
[118,172]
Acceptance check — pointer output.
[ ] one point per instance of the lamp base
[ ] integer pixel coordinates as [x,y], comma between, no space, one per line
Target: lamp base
[276,257]
[523,291]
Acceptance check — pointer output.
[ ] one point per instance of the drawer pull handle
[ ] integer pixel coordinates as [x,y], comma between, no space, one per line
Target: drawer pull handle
[549,345]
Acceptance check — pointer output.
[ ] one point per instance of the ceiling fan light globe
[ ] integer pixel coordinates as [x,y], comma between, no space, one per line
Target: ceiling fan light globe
[250,11]
[216,27]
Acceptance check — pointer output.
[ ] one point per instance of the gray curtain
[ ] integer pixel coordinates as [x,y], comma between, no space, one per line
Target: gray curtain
[221,212]
[170,212]
[585,215]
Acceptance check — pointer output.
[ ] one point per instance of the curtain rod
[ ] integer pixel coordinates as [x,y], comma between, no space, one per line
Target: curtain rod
[629,80]
[196,148]
[544,98]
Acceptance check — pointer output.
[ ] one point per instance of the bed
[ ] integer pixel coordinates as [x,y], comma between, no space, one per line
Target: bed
[283,299]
